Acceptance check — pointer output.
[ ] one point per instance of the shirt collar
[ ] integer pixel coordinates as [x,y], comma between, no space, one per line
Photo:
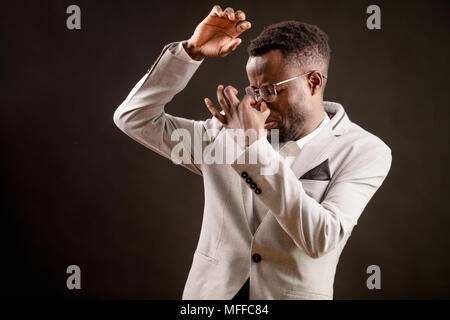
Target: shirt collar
[291,149]
[302,141]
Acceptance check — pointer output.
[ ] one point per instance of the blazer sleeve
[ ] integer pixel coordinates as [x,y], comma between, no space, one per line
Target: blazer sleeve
[316,227]
[142,114]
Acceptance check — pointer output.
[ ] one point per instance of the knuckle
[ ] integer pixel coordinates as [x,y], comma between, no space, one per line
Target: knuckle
[229,89]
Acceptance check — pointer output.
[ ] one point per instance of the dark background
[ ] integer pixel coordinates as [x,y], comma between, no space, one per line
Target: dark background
[76,190]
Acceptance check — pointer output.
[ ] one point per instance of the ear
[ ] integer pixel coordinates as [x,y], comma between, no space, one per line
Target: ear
[315,82]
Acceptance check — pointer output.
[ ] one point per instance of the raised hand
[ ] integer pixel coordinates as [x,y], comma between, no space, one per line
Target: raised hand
[246,114]
[217,35]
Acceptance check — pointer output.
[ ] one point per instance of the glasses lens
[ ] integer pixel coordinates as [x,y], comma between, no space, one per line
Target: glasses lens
[268,92]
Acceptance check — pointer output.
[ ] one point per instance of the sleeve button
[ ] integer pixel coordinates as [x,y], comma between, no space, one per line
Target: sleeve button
[256,258]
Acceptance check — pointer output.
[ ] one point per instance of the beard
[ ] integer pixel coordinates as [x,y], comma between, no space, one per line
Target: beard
[288,133]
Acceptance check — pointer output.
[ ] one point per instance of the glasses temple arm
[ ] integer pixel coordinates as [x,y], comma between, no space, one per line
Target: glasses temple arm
[301,75]
[278,83]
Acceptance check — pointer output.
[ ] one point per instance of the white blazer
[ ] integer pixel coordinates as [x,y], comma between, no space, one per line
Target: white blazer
[312,206]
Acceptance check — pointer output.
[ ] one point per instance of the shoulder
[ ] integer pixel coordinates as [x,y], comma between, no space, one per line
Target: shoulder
[364,140]
[362,152]
[356,139]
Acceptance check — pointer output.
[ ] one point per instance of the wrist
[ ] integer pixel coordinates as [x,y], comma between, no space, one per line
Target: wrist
[258,135]
[245,138]
[193,51]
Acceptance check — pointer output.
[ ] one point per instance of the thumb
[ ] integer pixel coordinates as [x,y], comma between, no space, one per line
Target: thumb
[264,110]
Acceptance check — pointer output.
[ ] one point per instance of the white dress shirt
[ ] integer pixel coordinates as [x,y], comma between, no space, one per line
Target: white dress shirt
[291,150]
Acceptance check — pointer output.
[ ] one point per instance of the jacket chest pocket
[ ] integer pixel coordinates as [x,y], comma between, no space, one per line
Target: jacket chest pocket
[315,188]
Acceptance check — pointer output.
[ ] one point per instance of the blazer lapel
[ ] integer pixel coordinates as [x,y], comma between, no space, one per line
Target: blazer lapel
[311,154]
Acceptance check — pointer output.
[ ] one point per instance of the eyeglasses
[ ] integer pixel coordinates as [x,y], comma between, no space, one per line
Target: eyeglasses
[268,91]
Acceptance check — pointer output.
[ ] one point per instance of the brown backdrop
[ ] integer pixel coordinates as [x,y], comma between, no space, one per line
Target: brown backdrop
[75,190]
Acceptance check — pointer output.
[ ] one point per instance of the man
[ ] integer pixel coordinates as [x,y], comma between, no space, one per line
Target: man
[275,235]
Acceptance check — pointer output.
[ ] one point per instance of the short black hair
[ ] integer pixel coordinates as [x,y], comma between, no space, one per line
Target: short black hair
[306,43]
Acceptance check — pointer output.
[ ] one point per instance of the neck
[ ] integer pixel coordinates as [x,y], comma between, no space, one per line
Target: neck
[315,119]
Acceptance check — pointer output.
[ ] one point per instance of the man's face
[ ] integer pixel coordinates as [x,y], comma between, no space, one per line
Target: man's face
[292,105]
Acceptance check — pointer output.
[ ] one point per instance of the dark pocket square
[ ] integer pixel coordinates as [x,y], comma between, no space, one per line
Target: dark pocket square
[320,172]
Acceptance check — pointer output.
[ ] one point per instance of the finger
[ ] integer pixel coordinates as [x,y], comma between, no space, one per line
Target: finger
[222,101]
[214,111]
[247,101]
[264,110]
[230,46]
[255,105]
[230,93]
[229,12]
[240,15]
[216,11]
[242,26]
